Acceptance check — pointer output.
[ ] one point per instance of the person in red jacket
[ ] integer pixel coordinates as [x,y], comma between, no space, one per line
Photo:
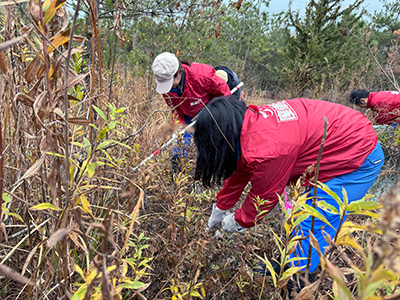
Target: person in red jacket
[186,88]
[386,105]
[272,145]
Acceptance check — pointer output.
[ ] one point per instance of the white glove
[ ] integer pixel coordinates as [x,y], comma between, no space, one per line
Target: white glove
[230,225]
[216,217]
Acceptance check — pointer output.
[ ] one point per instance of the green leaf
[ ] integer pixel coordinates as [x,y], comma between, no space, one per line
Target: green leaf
[290,272]
[18,217]
[55,154]
[135,285]
[367,205]
[327,207]
[98,110]
[107,142]
[43,206]
[6,197]
[326,189]
[80,293]
[316,214]
[79,144]
[91,169]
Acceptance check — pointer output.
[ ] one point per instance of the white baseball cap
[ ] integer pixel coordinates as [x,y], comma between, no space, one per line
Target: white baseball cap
[165,65]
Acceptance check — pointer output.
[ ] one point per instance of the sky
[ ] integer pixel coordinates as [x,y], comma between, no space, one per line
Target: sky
[276,6]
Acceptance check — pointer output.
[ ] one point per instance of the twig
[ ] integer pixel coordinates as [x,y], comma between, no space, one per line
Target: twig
[314,200]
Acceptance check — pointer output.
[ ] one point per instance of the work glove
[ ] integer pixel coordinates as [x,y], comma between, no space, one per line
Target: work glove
[216,217]
[230,225]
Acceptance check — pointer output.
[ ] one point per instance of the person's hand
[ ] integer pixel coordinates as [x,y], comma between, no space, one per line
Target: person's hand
[230,225]
[217,215]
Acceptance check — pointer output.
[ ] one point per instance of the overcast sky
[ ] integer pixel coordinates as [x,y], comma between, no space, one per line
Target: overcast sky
[276,6]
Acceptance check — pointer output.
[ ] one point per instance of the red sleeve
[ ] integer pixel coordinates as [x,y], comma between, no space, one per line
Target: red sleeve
[268,179]
[215,85]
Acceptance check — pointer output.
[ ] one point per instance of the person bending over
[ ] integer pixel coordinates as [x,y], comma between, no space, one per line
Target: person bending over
[186,88]
[272,145]
[384,104]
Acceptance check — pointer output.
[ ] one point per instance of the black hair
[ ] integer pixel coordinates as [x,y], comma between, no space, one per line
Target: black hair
[185,62]
[357,95]
[217,135]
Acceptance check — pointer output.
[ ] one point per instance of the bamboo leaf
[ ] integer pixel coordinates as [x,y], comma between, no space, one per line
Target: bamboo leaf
[7,271]
[85,204]
[32,69]
[357,206]
[80,293]
[135,285]
[312,211]
[99,111]
[43,206]
[57,236]
[34,168]
[52,9]
[18,217]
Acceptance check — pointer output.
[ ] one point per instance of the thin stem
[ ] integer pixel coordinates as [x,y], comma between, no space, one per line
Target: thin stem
[314,200]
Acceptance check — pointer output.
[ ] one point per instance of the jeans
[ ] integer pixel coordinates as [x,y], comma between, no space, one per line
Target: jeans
[356,185]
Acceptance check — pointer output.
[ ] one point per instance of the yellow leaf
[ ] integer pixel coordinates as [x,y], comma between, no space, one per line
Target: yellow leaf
[59,40]
[43,206]
[85,204]
[51,11]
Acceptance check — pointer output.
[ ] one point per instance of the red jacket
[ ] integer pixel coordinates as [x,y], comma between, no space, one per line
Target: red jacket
[279,141]
[386,105]
[200,83]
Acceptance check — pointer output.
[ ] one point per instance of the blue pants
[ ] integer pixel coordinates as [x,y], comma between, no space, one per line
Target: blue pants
[182,148]
[356,185]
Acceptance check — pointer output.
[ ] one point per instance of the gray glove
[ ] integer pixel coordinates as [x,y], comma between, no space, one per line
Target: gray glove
[230,225]
[216,217]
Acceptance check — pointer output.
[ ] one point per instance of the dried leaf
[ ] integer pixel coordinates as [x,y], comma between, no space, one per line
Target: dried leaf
[4,230]
[32,69]
[3,64]
[7,271]
[79,121]
[59,40]
[79,39]
[9,43]
[34,9]
[29,258]
[34,169]
[24,99]
[34,89]
[77,79]
[307,292]
[26,29]
[57,236]
[12,2]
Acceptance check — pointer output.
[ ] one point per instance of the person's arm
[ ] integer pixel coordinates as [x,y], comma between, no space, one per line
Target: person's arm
[268,179]
[215,85]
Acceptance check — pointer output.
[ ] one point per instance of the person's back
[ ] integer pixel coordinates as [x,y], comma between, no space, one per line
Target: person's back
[230,77]
[294,128]
[384,104]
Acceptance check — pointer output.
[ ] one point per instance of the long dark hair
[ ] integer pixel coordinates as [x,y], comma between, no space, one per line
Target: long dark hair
[217,135]
[357,95]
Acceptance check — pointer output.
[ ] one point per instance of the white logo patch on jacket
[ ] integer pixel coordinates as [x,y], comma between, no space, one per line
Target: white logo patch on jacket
[283,111]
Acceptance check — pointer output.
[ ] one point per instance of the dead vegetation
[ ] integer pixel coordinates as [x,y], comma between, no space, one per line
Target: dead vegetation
[77,223]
